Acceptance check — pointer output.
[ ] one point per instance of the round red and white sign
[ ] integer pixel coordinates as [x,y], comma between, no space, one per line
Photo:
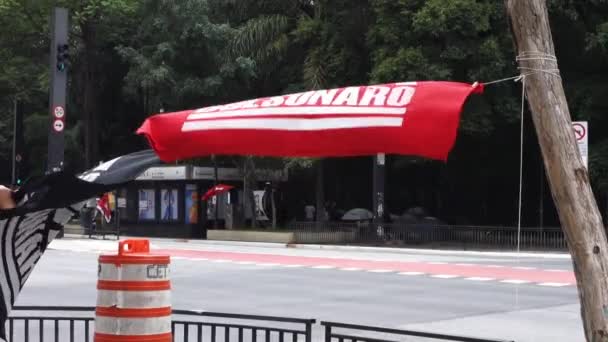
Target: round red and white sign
[58,125]
[59,112]
[579,131]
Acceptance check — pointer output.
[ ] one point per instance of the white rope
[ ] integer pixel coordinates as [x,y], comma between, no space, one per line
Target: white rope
[548,65]
[521,162]
[553,70]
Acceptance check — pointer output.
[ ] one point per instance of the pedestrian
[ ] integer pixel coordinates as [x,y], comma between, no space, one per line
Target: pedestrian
[6,198]
[309,211]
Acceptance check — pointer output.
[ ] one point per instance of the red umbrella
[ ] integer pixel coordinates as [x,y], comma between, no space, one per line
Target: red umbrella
[411,118]
[216,190]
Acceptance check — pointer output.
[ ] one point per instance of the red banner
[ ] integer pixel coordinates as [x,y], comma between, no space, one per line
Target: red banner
[411,118]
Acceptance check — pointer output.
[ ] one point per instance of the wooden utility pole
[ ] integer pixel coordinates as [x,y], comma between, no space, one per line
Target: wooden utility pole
[568,179]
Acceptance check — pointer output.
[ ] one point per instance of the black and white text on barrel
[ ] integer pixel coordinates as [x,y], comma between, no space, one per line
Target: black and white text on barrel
[133,295]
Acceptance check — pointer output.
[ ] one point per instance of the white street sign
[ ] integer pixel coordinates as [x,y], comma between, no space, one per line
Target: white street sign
[58,125]
[59,112]
[581,133]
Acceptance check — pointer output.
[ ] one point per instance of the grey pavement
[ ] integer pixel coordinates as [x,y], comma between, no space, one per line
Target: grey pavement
[523,313]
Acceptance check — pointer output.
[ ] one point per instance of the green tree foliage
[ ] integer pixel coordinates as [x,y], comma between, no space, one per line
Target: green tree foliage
[133,58]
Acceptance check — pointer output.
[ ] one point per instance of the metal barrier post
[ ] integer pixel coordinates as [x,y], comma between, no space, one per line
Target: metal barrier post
[309,332]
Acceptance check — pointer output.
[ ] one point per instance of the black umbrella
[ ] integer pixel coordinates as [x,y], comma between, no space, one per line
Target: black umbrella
[44,205]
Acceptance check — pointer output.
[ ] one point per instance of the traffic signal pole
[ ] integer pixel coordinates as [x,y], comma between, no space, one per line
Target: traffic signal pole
[17,155]
[59,63]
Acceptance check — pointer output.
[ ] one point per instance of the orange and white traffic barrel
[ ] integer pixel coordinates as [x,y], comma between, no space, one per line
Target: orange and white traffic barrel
[133,295]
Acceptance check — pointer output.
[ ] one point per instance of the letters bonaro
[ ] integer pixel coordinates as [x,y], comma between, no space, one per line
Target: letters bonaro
[133,295]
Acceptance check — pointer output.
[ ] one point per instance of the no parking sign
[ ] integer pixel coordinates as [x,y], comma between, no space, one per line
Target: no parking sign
[581,133]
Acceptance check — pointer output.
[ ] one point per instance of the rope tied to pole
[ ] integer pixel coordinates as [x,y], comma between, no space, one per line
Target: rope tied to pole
[546,64]
[525,71]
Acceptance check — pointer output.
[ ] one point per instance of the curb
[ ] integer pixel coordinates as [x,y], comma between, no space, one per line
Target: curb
[393,250]
[541,255]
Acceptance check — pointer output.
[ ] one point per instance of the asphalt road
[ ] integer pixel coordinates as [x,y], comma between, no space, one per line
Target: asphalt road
[483,295]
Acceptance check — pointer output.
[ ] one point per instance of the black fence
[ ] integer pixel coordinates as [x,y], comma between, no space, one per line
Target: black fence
[193,326]
[429,235]
[51,323]
[76,324]
[342,332]
[97,230]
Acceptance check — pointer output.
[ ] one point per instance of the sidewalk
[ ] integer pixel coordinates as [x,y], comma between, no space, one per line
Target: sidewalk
[366,249]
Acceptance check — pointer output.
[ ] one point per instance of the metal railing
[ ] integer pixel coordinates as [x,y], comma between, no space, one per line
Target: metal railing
[355,333]
[241,327]
[58,324]
[58,327]
[429,235]
[188,326]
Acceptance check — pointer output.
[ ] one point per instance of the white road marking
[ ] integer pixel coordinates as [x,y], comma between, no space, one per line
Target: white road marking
[411,273]
[515,281]
[445,276]
[350,269]
[323,267]
[495,266]
[480,278]
[524,268]
[221,260]
[380,271]
[292,266]
[554,284]
[267,264]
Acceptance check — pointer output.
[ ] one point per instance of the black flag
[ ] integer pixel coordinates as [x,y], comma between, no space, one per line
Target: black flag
[44,205]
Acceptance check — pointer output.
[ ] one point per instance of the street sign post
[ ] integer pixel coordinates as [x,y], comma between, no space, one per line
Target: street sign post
[59,68]
[581,133]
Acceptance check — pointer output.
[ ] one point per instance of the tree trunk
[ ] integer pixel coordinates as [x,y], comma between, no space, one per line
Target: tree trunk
[568,179]
[320,193]
[274,209]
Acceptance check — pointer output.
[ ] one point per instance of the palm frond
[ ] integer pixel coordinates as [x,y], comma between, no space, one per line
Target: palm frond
[314,73]
[260,38]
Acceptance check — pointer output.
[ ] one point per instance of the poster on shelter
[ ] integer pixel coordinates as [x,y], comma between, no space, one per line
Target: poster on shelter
[146,204]
[169,205]
[259,205]
[191,200]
